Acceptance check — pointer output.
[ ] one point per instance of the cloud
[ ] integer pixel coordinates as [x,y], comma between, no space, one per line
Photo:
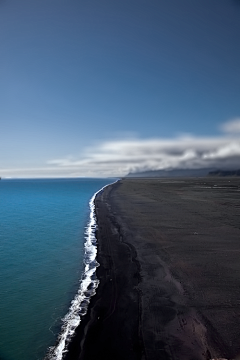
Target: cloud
[232,126]
[119,157]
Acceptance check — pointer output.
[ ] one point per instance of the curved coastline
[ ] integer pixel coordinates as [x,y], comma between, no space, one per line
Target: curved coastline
[88,285]
[116,305]
[153,300]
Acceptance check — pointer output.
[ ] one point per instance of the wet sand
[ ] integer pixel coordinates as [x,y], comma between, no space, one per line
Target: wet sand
[169,254]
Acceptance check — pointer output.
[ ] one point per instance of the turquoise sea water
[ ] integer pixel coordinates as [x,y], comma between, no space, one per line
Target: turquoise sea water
[42,232]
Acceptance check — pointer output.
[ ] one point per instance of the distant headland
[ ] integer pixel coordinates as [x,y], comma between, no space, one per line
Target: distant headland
[183,173]
[225,173]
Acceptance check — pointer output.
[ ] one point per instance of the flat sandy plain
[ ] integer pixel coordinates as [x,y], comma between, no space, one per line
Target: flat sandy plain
[169,254]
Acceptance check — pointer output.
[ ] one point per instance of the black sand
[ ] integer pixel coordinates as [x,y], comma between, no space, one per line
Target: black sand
[169,272]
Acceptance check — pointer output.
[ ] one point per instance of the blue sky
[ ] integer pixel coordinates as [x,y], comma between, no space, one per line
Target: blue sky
[100,88]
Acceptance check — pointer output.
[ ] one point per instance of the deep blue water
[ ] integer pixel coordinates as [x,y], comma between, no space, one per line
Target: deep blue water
[42,232]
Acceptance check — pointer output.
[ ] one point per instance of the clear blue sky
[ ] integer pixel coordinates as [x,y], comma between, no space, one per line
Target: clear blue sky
[76,74]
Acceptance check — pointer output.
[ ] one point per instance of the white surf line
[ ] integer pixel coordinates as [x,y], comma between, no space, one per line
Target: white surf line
[79,304]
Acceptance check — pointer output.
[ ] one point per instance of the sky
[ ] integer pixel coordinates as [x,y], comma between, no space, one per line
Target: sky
[104,87]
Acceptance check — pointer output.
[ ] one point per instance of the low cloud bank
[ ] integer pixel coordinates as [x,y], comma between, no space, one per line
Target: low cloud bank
[118,158]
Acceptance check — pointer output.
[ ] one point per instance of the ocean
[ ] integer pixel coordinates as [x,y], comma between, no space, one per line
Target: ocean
[47,256]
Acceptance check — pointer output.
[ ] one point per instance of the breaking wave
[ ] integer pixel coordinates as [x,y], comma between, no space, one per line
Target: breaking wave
[87,289]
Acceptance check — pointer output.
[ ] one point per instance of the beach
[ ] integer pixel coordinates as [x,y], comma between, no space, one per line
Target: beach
[169,272]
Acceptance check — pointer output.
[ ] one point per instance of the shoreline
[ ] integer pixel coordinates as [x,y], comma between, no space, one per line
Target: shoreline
[98,326]
[174,297]
[87,289]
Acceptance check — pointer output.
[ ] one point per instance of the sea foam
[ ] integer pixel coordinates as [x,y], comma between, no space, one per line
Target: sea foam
[87,289]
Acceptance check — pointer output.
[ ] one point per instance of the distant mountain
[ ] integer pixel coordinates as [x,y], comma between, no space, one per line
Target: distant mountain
[225,173]
[172,173]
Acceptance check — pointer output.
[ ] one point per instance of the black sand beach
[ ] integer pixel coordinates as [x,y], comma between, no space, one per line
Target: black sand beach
[169,272]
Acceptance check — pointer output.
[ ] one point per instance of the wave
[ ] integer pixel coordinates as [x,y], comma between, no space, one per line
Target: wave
[87,289]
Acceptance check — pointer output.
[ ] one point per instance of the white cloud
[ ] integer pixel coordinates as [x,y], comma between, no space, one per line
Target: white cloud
[232,126]
[119,157]
[230,150]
